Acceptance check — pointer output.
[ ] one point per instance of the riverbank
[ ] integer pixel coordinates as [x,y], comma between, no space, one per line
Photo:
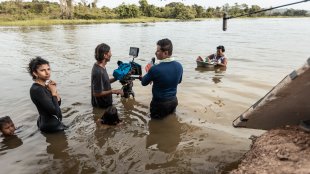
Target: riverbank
[200,140]
[45,22]
[283,150]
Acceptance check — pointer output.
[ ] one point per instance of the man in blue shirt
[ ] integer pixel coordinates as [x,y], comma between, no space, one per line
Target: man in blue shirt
[165,77]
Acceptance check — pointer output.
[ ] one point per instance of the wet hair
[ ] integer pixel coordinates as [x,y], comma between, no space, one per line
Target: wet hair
[110,116]
[165,45]
[34,65]
[100,50]
[221,47]
[5,120]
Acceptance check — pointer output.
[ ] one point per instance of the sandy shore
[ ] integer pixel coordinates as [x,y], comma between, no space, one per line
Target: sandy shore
[283,150]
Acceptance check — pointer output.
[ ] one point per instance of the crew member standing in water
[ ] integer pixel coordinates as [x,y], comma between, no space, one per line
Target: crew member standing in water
[101,92]
[44,95]
[165,77]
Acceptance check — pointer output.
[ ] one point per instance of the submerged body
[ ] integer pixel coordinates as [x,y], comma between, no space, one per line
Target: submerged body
[48,107]
[218,59]
[45,96]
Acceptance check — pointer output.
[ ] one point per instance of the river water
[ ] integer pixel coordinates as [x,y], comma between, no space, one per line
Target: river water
[198,138]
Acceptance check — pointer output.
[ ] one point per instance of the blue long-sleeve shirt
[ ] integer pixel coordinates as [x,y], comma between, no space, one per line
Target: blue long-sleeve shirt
[165,76]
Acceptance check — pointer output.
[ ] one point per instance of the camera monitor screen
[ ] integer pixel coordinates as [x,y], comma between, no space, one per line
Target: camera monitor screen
[134,51]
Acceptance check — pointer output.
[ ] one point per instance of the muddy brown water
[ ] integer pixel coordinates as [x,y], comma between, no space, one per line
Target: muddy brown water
[198,138]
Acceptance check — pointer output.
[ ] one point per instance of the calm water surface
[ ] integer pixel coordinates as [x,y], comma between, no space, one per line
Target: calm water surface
[199,138]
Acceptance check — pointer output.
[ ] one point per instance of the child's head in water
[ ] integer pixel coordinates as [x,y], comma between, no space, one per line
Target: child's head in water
[110,116]
[7,126]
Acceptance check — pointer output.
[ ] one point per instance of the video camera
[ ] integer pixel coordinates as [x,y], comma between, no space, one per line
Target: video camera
[126,73]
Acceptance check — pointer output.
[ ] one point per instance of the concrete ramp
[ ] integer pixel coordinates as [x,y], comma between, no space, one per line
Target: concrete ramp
[286,104]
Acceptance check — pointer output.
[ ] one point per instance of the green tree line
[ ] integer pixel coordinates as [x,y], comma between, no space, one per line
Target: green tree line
[19,10]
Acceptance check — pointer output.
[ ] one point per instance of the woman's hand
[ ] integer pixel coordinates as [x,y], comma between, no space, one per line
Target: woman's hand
[51,85]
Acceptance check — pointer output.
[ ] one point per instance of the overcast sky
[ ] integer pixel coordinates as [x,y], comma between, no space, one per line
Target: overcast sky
[212,3]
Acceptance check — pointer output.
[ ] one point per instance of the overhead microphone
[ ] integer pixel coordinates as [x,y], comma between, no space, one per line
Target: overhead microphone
[225,16]
[225,21]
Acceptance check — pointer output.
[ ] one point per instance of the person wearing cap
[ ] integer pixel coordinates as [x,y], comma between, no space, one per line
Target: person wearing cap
[219,57]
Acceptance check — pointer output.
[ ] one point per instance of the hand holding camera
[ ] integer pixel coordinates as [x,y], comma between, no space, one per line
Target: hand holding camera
[118,91]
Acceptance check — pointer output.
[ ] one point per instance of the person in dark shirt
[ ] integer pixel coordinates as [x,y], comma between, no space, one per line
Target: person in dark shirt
[165,77]
[44,95]
[101,91]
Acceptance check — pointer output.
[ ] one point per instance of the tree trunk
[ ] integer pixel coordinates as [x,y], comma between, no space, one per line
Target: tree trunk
[66,9]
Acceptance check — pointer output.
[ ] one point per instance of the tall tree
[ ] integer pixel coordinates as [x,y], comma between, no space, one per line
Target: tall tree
[200,11]
[127,11]
[66,9]
[144,6]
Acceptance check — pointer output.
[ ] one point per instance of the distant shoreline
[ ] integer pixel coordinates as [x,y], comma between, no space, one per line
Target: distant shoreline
[47,22]
[43,13]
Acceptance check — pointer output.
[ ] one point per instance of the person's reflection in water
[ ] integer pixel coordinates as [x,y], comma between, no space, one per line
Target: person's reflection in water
[220,69]
[10,142]
[57,145]
[128,104]
[164,134]
[216,79]
[134,108]
[218,72]
[102,134]
[59,161]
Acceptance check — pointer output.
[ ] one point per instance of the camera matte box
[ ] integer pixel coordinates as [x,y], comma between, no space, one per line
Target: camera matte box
[134,51]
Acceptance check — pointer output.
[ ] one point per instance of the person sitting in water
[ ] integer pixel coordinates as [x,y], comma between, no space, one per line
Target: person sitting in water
[110,117]
[7,126]
[44,95]
[219,58]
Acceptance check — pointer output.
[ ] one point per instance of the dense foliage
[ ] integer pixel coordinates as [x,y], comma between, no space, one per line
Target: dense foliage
[19,10]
